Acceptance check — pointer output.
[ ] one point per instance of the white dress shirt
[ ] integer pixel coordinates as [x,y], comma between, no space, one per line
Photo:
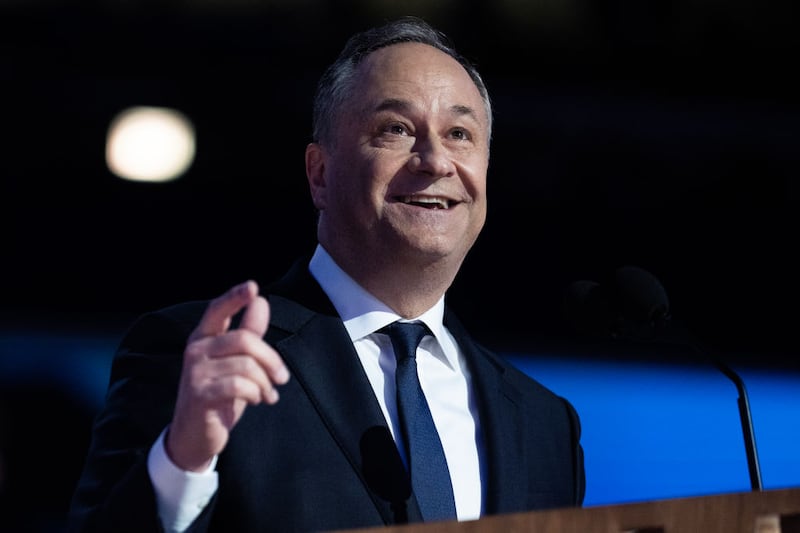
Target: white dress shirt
[443,375]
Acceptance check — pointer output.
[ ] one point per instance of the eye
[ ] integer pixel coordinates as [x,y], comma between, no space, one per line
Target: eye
[396,128]
[460,134]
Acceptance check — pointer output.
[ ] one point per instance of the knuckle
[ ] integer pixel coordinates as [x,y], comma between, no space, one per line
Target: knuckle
[197,374]
[193,352]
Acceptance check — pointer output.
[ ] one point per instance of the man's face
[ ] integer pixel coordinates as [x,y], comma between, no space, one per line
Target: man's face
[406,174]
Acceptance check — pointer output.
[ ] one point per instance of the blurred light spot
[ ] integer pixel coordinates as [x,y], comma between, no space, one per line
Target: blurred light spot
[153,144]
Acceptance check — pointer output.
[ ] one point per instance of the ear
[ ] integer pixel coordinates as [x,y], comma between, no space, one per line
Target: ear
[315,172]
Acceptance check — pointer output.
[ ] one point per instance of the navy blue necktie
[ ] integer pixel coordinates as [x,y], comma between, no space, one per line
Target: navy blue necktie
[430,477]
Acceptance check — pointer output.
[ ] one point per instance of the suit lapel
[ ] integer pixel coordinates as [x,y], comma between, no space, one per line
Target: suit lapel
[501,422]
[316,347]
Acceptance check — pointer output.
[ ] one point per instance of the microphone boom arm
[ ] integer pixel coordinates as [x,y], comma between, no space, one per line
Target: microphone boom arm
[747,424]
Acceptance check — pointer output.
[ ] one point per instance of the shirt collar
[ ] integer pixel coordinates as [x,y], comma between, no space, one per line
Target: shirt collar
[360,311]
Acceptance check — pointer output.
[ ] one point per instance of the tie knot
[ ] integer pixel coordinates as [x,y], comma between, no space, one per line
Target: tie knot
[406,336]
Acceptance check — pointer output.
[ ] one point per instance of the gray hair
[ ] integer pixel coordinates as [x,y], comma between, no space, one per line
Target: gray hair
[335,84]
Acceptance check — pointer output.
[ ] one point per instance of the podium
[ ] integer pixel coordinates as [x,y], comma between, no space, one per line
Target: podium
[771,511]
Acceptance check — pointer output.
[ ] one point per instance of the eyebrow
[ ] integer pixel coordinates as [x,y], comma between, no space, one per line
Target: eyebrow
[397,104]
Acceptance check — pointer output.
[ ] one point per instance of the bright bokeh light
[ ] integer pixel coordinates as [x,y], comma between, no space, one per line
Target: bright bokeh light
[154,144]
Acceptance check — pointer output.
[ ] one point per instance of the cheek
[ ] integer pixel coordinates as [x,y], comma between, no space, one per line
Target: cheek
[357,185]
[372,173]
[474,178]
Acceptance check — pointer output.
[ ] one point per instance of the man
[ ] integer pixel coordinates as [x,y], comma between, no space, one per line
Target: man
[280,412]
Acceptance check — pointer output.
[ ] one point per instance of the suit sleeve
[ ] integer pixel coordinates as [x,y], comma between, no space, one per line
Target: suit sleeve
[114,492]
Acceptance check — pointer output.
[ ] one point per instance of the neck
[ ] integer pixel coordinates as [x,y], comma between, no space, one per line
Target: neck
[410,297]
[409,286]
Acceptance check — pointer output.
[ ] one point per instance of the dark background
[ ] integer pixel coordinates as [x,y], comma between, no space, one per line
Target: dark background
[658,134]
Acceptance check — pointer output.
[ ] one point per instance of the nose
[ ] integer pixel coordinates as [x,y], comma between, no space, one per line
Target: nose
[430,156]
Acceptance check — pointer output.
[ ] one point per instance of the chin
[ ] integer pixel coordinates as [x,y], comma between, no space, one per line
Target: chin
[433,250]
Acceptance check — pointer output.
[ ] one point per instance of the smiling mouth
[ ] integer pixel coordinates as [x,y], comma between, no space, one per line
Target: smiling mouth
[428,202]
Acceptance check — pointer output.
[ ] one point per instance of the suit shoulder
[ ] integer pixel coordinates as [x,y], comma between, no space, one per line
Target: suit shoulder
[517,377]
[163,331]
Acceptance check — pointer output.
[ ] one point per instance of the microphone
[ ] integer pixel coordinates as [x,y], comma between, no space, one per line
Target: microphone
[635,306]
[384,471]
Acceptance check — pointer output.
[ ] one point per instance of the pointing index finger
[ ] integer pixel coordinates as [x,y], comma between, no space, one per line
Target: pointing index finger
[217,316]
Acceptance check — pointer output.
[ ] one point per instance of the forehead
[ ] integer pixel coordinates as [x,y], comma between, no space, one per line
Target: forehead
[420,73]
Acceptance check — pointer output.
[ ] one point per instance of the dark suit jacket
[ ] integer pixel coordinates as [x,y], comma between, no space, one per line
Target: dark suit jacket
[323,457]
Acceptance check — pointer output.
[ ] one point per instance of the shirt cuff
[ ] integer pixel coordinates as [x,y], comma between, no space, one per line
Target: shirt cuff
[180,495]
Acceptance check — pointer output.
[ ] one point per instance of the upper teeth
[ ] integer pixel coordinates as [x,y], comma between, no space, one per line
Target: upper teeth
[444,203]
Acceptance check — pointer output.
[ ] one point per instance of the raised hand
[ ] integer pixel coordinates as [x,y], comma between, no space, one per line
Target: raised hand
[223,370]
